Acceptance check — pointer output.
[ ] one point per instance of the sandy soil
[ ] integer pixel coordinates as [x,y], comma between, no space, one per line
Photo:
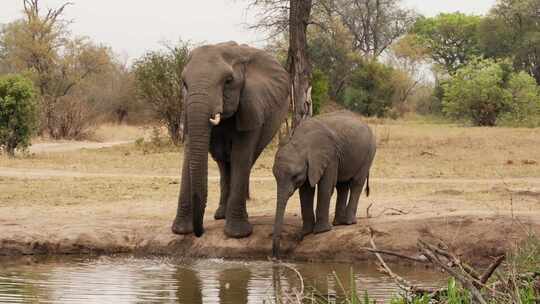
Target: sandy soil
[476,229]
[65,201]
[476,237]
[65,146]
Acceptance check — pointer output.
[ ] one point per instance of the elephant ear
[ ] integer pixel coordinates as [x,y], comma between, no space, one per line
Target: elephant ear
[266,87]
[321,156]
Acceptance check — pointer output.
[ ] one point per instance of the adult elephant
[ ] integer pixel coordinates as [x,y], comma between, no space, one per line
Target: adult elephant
[236,98]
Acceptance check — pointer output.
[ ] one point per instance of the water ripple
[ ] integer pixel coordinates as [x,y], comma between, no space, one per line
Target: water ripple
[165,280]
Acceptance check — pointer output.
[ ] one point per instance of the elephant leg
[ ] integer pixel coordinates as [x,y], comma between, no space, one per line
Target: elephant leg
[183,223]
[225,183]
[325,189]
[306,205]
[352,206]
[340,218]
[236,219]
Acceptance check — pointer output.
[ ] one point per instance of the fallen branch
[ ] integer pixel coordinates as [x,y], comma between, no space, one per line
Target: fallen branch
[401,282]
[426,249]
[491,269]
[367,210]
[392,209]
[420,259]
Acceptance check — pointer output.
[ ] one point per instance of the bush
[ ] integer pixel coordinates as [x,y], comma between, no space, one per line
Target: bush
[370,90]
[488,93]
[319,91]
[158,82]
[18,115]
[525,106]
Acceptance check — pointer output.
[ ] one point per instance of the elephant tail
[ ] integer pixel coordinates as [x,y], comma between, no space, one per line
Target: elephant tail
[367,185]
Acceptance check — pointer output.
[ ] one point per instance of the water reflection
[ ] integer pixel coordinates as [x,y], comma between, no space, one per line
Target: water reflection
[163,280]
[189,286]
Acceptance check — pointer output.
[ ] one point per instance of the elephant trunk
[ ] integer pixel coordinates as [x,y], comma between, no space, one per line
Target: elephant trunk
[199,136]
[282,199]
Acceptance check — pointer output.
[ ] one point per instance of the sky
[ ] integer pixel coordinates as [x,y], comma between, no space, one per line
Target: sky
[132,27]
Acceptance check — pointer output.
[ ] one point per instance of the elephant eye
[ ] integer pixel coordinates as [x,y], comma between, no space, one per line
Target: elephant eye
[229,80]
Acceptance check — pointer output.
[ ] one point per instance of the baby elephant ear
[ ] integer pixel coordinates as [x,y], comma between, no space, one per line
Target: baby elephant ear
[318,160]
[266,86]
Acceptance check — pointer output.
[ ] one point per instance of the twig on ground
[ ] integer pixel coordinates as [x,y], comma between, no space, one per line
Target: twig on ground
[392,209]
[367,210]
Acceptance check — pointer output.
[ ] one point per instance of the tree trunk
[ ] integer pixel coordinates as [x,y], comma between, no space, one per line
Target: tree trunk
[298,62]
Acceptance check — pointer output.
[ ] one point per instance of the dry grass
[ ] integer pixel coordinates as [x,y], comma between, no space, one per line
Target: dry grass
[115,132]
[406,151]
[432,150]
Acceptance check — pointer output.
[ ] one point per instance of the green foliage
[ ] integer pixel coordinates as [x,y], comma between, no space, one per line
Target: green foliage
[319,91]
[159,83]
[487,93]
[476,93]
[525,105]
[18,119]
[526,258]
[512,30]
[62,66]
[451,40]
[370,89]
[331,51]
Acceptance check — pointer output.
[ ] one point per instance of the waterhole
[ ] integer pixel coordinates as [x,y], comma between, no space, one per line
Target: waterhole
[125,279]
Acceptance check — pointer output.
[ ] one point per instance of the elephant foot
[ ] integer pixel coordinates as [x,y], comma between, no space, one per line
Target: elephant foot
[351,220]
[340,220]
[220,212]
[321,227]
[238,228]
[182,226]
[303,232]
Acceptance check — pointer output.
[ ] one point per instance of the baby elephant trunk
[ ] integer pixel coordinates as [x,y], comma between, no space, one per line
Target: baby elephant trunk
[278,222]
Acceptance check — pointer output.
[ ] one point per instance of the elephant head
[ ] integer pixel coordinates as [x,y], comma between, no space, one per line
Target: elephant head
[225,81]
[302,160]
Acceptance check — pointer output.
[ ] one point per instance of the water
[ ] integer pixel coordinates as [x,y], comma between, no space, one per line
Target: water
[124,279]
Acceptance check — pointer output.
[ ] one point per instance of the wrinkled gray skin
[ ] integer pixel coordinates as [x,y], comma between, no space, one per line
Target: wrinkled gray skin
[236,97]
[329,151]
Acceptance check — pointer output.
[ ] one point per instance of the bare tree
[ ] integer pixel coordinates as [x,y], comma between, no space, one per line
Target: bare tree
[41,44]
[272,16]
[374,24]
[276,17]
[298,60]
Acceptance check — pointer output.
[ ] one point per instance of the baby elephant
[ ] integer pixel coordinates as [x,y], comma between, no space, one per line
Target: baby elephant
[330,150]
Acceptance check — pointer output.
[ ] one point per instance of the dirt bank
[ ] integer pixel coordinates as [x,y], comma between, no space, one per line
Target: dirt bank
[478,189]
[475,237]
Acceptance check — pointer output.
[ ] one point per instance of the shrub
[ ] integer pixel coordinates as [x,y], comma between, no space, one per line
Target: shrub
[370,90]
[525,105]
[319,91]
[487,93]
[159,83]
[18,115]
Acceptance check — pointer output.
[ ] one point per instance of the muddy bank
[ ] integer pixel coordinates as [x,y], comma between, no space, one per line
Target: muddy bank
[475,237]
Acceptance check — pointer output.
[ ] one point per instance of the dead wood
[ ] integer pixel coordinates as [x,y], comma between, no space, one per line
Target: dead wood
[435,259]
[402,283]
[440,257]
[491,269]
[419,259]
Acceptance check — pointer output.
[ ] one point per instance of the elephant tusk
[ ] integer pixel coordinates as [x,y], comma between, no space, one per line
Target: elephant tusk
[215,121]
